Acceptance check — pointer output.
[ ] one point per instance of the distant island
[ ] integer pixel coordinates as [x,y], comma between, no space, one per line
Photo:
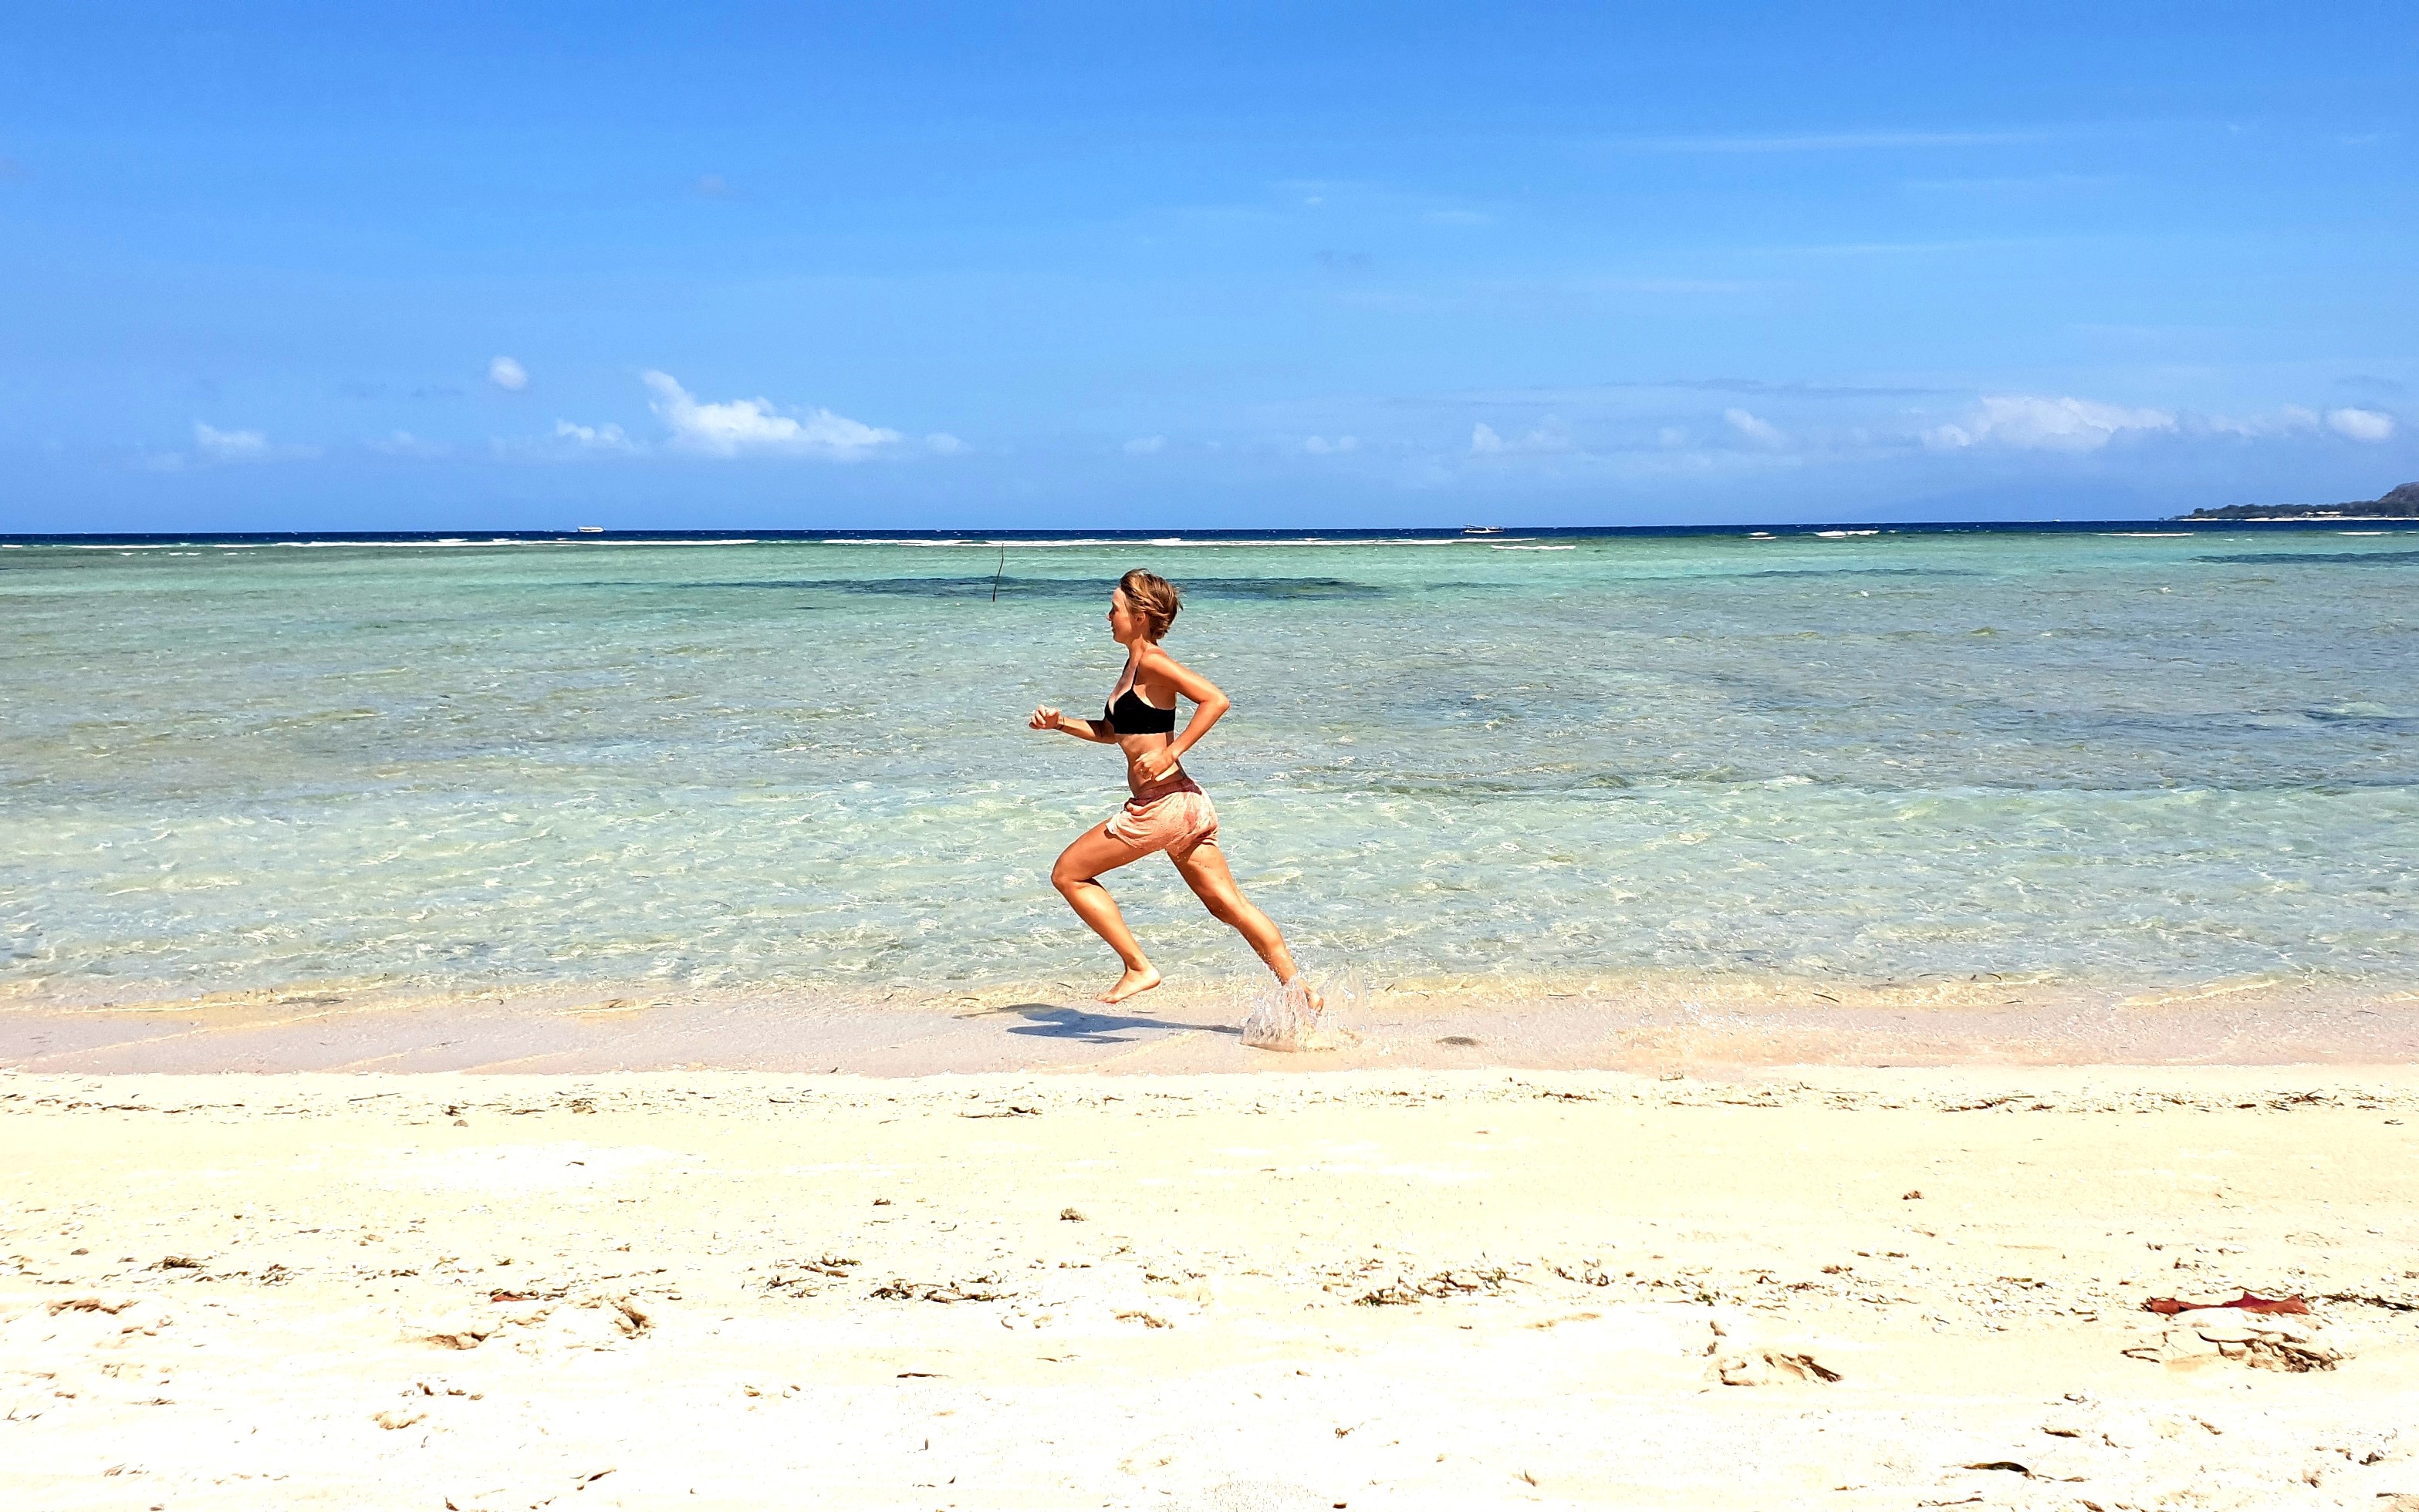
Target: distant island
[2402,503]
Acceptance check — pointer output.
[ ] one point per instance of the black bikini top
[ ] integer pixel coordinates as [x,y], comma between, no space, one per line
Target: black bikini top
[1128,714]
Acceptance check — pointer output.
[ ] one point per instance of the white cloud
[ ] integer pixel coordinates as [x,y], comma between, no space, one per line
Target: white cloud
[606,437]
[210,444]
[2295,422]
[1485,440]
[405,444]
[753,426]
[2291,420]
[1320,445]
[507,375]
[1763,433]
[228,446]
[569,441]
[1143,446]
[2042,423]
[944,443]
[2361,424]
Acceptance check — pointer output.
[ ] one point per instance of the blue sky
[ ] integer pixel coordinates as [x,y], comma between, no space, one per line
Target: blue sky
[445,265]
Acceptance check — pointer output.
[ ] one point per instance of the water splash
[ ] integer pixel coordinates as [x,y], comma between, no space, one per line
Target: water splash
[1310,1013]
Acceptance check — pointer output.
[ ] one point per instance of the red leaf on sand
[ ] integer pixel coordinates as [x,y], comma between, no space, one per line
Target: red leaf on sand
[2248,1301]
[2251,1304]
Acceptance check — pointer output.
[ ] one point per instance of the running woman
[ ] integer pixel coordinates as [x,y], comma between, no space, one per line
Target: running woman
[1168,810]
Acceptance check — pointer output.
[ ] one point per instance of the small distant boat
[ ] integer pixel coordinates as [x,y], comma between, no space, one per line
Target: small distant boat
[592,529]
[1482,529]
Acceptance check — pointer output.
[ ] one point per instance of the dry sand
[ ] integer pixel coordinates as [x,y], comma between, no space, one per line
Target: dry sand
[1365,1289]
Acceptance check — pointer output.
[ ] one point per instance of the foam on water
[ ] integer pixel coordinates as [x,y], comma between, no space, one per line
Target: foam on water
[802,765]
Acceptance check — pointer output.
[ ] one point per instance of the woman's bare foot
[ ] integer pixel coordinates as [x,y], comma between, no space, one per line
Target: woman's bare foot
[1131,983]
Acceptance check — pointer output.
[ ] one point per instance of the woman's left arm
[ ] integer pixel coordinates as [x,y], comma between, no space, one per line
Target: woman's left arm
[1209,704]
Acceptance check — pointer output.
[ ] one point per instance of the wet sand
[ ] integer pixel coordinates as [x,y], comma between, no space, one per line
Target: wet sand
[1834,1287]
[1651,1025]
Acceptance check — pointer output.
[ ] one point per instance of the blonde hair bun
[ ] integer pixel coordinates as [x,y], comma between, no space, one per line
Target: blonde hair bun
[1154,598]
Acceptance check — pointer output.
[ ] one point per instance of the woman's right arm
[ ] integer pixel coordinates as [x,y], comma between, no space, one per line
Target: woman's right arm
[1047,718]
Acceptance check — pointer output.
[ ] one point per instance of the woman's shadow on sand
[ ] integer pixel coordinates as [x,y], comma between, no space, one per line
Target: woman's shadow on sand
[1087,1027]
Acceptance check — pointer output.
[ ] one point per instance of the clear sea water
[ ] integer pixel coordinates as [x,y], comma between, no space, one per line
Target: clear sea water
[2096,758]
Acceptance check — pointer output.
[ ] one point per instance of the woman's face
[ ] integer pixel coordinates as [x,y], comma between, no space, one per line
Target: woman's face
[1123,621]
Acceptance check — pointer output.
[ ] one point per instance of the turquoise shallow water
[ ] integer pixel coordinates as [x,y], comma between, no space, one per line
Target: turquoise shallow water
[2093,758]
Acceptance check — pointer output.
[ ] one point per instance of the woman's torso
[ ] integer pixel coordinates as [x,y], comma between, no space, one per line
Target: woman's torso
[1142,725]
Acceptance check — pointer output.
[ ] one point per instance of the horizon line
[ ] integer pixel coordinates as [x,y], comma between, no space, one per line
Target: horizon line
[977,536]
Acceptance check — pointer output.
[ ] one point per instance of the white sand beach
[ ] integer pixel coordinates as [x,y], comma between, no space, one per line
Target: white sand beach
[1834,1288]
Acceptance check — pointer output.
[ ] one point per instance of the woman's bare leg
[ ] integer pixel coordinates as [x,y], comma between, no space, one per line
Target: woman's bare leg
[1075,877]
[1203,870]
